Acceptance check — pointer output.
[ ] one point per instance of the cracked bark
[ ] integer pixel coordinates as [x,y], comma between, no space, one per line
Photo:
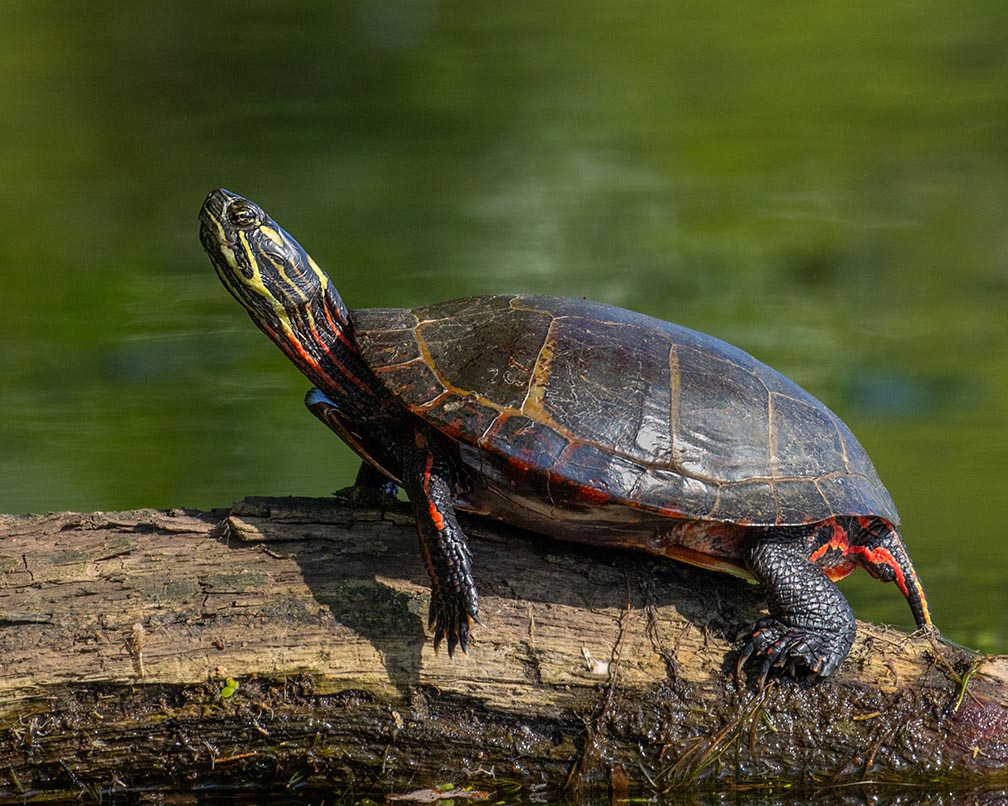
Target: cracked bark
[118,631]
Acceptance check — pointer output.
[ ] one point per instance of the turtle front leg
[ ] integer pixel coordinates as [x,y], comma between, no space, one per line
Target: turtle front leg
[370,481]
[368,478]
[453,605]
[811,626]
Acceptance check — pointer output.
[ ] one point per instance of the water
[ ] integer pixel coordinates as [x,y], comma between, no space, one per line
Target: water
[828,192]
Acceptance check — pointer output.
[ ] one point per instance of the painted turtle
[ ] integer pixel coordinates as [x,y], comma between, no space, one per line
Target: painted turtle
[585,422]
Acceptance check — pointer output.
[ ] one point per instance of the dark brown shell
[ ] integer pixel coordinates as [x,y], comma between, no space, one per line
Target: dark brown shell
[579,399]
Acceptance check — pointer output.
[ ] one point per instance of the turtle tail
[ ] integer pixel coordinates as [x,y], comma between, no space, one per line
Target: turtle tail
[880,549]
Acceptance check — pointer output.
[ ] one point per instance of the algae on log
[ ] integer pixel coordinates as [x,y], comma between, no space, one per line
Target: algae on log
[118,631]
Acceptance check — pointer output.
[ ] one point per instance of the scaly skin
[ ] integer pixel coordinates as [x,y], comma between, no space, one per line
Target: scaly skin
[453,605]
[811,626]
[427,480]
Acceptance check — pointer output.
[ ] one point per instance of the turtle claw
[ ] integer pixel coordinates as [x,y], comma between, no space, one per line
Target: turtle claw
[451,621]
[803,652]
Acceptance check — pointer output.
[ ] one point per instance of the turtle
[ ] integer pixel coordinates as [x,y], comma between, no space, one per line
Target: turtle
[584,422]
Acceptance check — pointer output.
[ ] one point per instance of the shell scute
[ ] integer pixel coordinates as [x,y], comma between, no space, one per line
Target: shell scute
[570,398]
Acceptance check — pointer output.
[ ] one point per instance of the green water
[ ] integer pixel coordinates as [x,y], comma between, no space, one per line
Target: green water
[826,188]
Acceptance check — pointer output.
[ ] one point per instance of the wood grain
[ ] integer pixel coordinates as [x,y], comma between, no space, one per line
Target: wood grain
[118,630]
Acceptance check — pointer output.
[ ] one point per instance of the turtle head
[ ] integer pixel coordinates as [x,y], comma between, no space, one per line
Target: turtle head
[284,291]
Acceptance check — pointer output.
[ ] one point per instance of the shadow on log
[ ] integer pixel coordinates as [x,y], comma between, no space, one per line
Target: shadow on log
[118,632]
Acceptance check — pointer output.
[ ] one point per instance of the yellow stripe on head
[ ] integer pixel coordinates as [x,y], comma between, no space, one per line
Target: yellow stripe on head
[322,276]
[257,286]
[272,234]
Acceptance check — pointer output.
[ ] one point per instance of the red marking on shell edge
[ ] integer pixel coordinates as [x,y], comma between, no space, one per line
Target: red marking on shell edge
[592,495]
[519,464]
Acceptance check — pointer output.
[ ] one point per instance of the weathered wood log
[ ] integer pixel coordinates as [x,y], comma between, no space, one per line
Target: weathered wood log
[119,630]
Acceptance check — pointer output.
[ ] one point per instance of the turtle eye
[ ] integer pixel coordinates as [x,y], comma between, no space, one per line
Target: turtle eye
[244,214]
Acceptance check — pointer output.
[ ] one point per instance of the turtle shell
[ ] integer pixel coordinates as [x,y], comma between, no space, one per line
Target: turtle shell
[563,401]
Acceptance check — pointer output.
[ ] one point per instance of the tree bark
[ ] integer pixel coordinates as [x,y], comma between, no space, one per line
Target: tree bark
[119,631]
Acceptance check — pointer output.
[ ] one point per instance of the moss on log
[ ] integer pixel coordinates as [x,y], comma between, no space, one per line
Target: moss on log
[118,632]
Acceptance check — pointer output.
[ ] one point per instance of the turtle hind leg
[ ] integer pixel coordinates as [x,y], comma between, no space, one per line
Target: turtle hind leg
[811,626]
[454,604]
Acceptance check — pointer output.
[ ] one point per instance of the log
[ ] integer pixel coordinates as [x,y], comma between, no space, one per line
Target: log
[284,642]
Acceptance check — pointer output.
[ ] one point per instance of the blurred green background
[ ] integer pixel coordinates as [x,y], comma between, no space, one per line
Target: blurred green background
[825,187]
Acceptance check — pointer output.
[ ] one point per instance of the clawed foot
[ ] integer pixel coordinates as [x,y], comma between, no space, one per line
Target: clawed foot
[799,651]
[451,618]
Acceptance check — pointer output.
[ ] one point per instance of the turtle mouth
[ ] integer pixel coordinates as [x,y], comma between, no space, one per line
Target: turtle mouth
[225,215]
[219,234]
[219,211]
[213,233]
